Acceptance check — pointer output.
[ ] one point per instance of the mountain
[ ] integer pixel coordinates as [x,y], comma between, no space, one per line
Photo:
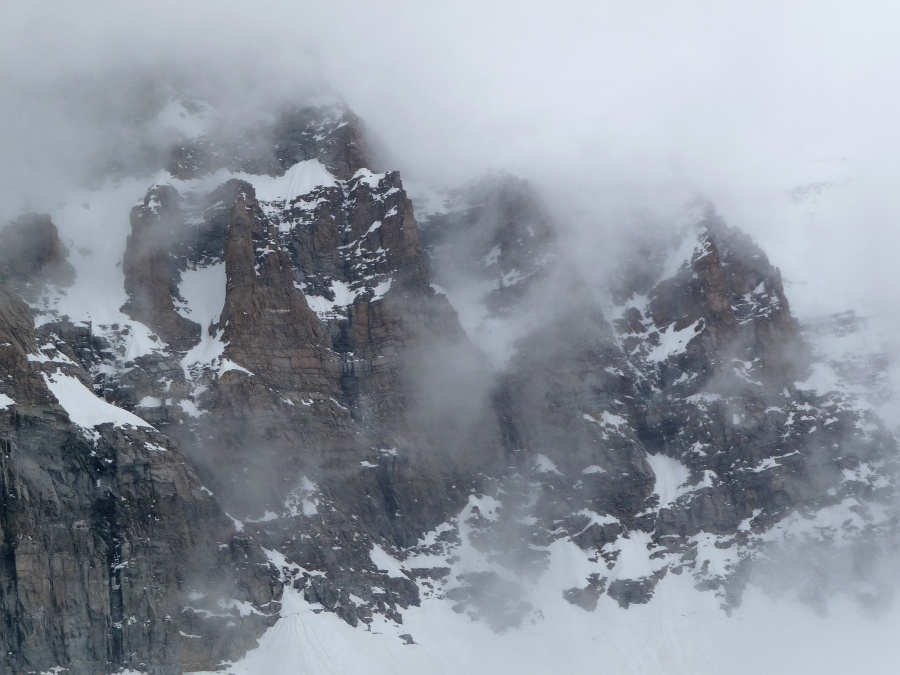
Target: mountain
[255,394]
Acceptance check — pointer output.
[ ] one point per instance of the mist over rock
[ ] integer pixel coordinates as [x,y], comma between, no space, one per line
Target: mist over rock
[151,274]
[33,255]
[311,399]
[331,134]
[684,415]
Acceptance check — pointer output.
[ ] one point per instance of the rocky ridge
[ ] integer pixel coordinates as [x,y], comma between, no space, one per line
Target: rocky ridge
[112,550]
[307,373]
[683,424]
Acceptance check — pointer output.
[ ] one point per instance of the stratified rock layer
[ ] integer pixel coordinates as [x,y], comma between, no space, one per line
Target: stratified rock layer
[105,532]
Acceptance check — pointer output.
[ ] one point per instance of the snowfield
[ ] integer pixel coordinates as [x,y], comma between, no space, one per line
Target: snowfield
[680,632]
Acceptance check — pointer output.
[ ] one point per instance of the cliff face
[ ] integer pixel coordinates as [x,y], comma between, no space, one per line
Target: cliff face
[112,551]
[302,367]
[677,412]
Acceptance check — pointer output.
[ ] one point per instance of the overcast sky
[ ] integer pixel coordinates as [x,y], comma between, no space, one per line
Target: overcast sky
[609,106]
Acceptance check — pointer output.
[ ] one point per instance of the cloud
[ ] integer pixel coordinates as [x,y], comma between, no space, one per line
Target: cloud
[611,106]
[617,105]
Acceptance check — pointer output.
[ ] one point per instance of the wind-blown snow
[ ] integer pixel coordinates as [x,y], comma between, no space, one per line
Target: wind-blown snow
[682,255]
[139,340]
[822,379]
[205,352]
[94,225]
[84,408]
[427,201]
[496,337]
[188,123]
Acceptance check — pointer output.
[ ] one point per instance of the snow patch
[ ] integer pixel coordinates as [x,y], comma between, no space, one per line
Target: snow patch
[227,365]
[543,464]
[673,342]
[190,408]
[303,499]
[84,408]
[671,478]
[203,290]
[58,357]
[607,419]
[368,178]
[379,291]
[301,178]
[385,562]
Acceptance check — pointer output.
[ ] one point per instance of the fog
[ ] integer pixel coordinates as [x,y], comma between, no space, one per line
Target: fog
[615,105]
[607,106]
[784,116]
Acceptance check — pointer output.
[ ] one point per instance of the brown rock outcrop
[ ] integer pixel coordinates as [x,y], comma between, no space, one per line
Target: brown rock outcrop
[151,271]
[103,535]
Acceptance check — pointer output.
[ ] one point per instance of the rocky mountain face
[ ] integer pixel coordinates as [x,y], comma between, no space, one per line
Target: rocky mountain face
[680,414]
[308,390]
[106,532]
